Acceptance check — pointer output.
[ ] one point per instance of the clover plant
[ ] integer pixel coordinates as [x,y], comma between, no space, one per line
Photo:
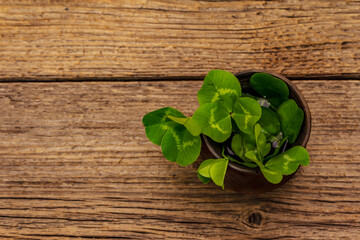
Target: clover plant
[256,128]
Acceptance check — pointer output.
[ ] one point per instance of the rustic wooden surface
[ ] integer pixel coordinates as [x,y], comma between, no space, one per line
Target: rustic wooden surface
[74,85]
[75,162]
[44,40]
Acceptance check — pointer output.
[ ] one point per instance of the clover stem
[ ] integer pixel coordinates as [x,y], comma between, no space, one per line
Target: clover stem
[259,163]
[273,108]
[223,152]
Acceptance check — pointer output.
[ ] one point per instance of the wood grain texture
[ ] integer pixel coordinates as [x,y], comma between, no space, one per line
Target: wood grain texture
[75,163]
[47,40]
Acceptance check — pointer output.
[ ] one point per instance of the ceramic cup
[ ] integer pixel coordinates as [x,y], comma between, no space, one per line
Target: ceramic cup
[246,180]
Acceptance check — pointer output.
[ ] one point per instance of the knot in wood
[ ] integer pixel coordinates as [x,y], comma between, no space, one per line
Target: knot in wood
[255,219]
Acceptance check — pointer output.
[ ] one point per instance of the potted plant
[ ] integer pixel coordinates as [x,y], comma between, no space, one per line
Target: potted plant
[251,129]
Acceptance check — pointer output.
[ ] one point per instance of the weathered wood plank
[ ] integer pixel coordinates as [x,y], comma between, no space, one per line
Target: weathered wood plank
[43,40]
[75,162]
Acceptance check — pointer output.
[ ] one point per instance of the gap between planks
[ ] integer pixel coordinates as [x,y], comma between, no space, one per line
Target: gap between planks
[318,77]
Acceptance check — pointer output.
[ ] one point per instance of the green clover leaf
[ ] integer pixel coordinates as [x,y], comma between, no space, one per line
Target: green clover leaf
[215,121]
[246,113]
[272,176]
[289,161]
[177,143]
[291,118]
[214,169]
[222,86]
[269,121]
[242,143]
[191,125]
[269,86]
[157,123]
[262,146]
[285,163]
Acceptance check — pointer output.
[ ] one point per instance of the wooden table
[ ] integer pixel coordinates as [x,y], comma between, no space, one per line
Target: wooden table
[77,77]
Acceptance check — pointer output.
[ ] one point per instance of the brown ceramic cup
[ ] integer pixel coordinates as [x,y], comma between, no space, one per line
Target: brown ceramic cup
[246,180]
